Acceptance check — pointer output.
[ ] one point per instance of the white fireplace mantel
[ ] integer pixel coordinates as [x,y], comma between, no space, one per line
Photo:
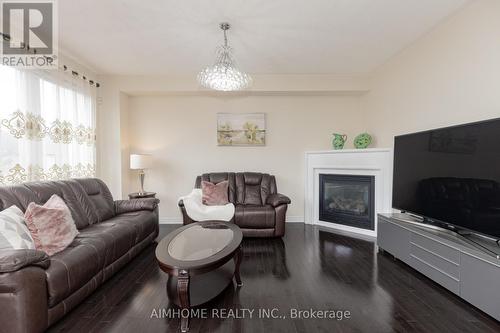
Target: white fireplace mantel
[375,162]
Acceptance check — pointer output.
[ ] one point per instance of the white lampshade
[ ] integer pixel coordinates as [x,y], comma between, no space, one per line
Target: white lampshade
[140,161]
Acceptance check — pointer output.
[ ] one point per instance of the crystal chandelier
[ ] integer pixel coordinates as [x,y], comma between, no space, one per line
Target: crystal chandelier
[223,74]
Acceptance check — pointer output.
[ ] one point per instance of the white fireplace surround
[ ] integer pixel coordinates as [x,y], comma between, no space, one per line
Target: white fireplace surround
[363,162]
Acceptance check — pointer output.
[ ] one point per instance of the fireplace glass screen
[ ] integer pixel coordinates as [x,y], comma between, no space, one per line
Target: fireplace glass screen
[347,199]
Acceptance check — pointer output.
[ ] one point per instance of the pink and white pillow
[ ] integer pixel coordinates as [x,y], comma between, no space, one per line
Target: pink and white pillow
[214,194]
[51,226]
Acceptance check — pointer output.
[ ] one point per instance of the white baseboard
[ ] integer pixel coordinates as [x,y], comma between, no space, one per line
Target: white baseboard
[178,220]
[367,237]
[170,220]
[295,219]
[347,230]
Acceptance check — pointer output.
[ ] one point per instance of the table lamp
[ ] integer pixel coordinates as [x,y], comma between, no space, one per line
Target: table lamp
[140,162]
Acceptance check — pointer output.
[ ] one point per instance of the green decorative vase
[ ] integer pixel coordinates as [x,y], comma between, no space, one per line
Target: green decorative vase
[362,141]
[338,141]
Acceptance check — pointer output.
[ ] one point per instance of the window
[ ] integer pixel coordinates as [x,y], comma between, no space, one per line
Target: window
[47,126]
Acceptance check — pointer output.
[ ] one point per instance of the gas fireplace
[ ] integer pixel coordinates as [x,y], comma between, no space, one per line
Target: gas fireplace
[347,200]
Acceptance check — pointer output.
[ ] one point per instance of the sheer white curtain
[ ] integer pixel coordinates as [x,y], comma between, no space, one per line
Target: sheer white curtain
[47,126]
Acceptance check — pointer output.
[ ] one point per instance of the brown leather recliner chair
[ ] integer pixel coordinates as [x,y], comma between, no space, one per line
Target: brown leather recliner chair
[260,209]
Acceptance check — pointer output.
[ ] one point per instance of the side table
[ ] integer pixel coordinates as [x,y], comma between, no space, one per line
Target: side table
[137,195]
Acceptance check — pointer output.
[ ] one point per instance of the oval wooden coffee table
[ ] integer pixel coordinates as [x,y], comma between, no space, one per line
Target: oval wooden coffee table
[200,260]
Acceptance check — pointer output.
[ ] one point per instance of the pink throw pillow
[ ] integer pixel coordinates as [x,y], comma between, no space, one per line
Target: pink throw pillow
[51,226]
[214,194]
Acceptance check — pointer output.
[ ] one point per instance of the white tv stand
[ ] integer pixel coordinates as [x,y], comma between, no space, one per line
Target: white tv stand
[445,257]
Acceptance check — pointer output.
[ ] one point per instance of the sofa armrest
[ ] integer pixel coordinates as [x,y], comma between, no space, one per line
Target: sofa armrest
[23,300]
[278,199]
[14,260]
[134,205]
[185,217]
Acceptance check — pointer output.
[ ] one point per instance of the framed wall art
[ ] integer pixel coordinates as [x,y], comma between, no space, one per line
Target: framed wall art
[241,129]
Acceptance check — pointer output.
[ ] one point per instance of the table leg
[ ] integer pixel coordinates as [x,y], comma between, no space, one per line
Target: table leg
[237,260]
[183,293]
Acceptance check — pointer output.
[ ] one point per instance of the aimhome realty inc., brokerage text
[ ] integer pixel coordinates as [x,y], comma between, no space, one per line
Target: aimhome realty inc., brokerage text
[242,313]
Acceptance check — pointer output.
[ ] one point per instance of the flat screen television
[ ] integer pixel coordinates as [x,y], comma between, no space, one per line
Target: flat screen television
[451,176]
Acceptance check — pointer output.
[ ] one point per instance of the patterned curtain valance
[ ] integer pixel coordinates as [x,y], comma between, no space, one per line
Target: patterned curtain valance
[29,126]
[18,174]
[47,126]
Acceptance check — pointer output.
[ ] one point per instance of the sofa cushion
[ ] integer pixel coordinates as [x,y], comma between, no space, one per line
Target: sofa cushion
[100,197]
[83,201]
[102,255]
[118,238]
[252,195]
[39,192]
[69,270]
[255,217]
[143,222]
[8,197]
[253,188]
[18,195]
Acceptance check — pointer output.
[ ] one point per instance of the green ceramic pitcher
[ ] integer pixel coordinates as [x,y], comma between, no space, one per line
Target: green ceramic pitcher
[338,141]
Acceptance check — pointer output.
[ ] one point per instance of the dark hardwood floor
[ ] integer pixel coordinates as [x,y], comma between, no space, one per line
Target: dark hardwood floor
[308,269]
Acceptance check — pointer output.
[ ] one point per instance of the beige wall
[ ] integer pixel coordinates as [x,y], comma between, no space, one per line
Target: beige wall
[450,76]
[113,139]
[109,145]
[180,132]
[125,144]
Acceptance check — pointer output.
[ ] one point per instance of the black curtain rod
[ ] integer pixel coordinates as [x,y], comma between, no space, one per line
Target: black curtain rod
[75,73]
[7,38]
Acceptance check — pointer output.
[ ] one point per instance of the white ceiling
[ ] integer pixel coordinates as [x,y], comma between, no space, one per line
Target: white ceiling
[157,37]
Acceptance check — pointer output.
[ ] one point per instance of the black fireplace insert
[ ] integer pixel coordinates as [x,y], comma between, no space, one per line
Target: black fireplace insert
[347,200]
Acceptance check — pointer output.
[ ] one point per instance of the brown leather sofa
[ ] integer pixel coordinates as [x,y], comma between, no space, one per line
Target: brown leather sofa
[260,209]
[36,290]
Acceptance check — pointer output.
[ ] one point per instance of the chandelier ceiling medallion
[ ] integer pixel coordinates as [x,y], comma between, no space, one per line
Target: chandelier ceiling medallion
[223,75]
